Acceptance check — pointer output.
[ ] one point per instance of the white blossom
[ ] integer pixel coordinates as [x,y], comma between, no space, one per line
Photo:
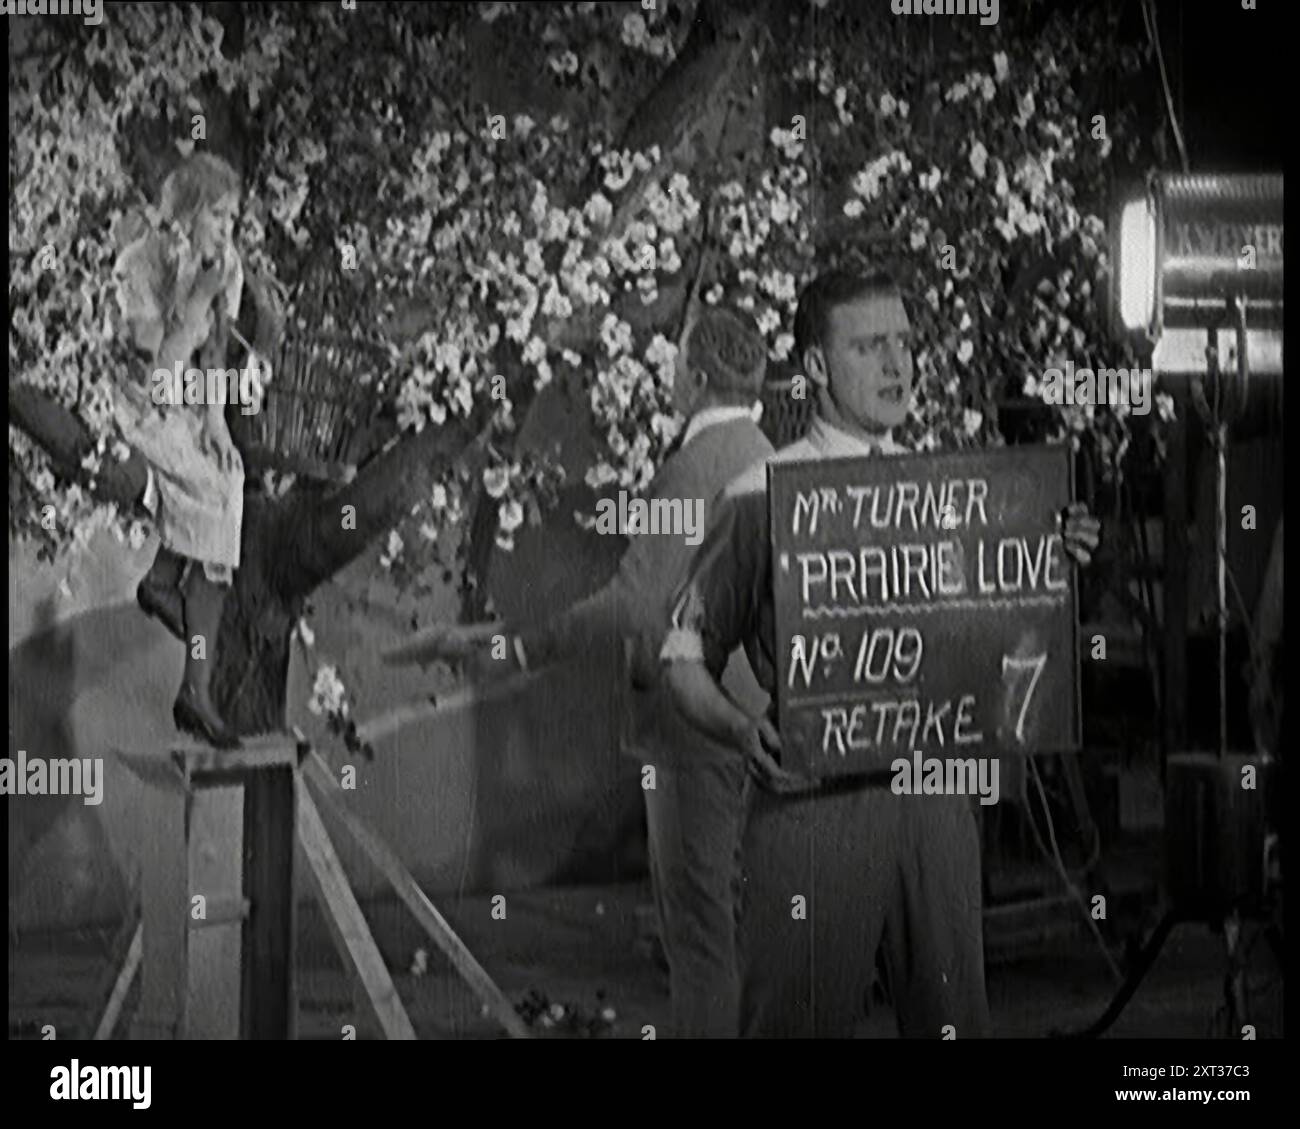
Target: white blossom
[634,29]
[328,693]
[392,550]
[785,141]
[1025,109]
[566,63]
[511,516]
[496,480]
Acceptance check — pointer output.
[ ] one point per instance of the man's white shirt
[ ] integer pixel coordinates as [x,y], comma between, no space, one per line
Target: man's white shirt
[722,413]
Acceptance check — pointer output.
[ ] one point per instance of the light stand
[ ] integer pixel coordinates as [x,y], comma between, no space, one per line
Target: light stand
[1183,281]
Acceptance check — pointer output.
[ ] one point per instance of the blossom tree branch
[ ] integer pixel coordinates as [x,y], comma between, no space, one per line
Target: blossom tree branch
[684,118]
[334,531]
[68,441]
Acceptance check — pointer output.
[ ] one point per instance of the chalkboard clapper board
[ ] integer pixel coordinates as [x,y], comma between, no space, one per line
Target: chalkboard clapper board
[924,603]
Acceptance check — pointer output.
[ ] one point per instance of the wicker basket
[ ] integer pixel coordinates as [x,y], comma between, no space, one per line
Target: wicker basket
[321,412]
[322,409]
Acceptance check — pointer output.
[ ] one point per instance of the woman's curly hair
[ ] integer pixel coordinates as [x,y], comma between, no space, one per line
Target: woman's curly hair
[198,182]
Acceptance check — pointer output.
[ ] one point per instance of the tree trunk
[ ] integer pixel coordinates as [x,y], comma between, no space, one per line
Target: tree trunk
[257,622]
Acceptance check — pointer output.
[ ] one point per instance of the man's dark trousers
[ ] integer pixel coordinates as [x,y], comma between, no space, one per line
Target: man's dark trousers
[830,878]
[695,814]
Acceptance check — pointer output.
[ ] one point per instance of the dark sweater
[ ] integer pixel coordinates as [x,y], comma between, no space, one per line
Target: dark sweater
[637,601]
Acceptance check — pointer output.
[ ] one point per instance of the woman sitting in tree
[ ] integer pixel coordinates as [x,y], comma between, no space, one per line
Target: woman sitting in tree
[179,289]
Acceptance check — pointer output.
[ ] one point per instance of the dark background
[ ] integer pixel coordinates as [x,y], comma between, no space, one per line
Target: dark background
[1226,68]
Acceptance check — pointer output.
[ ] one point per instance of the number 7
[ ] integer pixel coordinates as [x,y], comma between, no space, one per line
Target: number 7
[1036,663]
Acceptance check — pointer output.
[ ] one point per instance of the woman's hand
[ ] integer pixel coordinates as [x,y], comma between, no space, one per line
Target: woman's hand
[215,441]
[210,281]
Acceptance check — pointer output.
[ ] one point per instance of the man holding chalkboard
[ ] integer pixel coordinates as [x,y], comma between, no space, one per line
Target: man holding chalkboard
[833,870]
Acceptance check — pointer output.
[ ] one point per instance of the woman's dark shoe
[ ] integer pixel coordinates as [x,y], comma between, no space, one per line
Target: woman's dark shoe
[164,604]
[193,718]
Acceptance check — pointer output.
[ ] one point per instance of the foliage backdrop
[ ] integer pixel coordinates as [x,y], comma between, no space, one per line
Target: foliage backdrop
[480,165]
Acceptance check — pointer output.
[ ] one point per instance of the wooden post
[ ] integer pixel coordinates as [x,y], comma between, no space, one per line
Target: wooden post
[164,896]
[267,990]
[217,894]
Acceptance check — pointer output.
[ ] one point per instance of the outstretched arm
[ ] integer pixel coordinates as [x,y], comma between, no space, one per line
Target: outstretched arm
[627,605]
[615,608]
[610,609]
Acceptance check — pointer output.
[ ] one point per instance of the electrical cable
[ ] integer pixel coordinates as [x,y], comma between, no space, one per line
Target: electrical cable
[1055,858]
[1153,34]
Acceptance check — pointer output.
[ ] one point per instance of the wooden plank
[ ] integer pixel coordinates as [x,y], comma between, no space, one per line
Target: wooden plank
[196,762]
[122,985]
[348,925]
[268,986]
[164,896]
[222,910]
[216,828]
[317,772]
[118,949]
[271,750]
